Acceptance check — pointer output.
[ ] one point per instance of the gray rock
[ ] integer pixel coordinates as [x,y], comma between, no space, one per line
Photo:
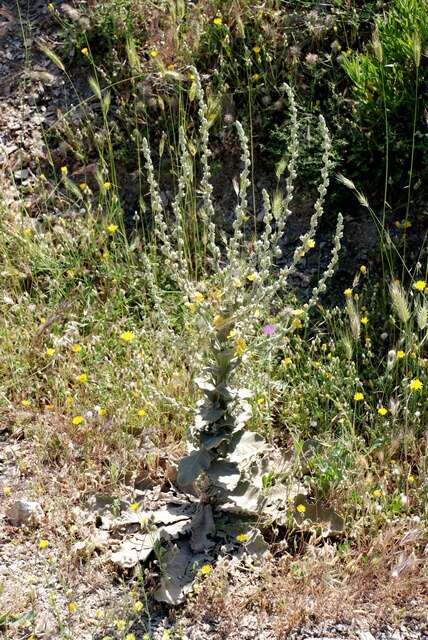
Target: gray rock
[24,512]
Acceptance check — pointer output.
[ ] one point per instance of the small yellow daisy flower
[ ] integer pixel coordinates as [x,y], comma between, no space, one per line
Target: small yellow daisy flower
[120,625]
[358,396]
[311,244]
[416,384]
[83,377]
[364,320]
[420,285]
[127,336]
[348,292]
[400,355]
[198,298]
[77,420]
[72,607]
[43,544]
[377,493]
[382,411]
[256,50]
[153,53]
[240,347]
[64,171]
[112,228]
[76,348]
[25,403]
[218,321]
[363,269]
[7,491]
[242,537]
[252,277]
[83,186]
[85,51]
[287,361]
[141,412]
[138,606]
[206,569]
[50,352]
[134,506]
[107,186]
[218,20]
[106,254]
[301,508]
[101,412]
[410,478]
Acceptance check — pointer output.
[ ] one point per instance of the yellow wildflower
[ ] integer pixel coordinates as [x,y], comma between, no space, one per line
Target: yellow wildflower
[43,544]
[112,228]
[410,478]
[142,412]
[206,569]
[218,20]
[311,244]
[358,396]
[218,321]
[50,352]
[153,53]
[134,506]
[76,348]
[242,537]
[69,401]
[301,508]
[237,282]
[416,384]
[101,412]
[256,50]
[364,320]
[120,625]
[77,420]
[72,607]
[27,232]
[400,355]
[287,361]
[240,347]
[255,77]
[127,336]
[217,294]
[382,411]
[83,186]
[107,186]
[420,285]
[106,254]
[138,606]
[83,377]
[363,269]
[99,613]
[252,276]
[348,292]
[377,493]
[50,407]
[7,491]
[64,171]
[25,403]
[198,298]
[85,51]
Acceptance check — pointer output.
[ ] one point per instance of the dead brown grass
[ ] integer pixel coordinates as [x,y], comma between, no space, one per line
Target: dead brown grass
[322,585]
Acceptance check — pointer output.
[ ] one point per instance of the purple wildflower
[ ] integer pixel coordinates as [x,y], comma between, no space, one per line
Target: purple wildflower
[269,329]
